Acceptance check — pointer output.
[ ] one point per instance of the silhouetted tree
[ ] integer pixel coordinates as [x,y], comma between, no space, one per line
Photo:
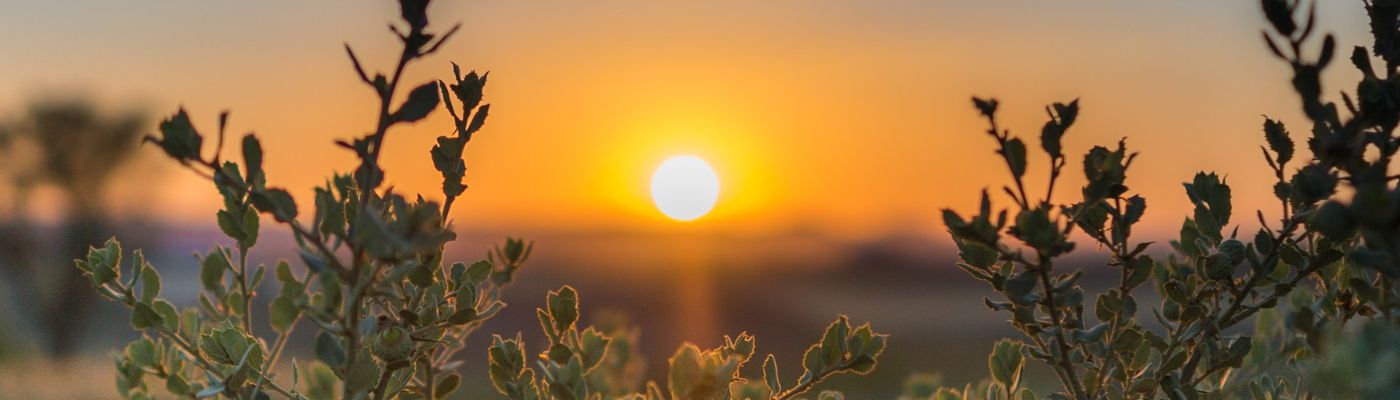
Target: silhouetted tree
[69,144]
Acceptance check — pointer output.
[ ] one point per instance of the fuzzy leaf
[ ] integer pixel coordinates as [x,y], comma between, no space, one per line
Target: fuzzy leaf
[1277,136]
[143,316]
[421,101]
[1006,362]
[1015,154]
[150,281]
[563,308]
[277,202]
[282,313]
[178,138]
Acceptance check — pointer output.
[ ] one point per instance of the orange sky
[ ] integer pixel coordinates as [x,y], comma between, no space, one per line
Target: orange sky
[845,118]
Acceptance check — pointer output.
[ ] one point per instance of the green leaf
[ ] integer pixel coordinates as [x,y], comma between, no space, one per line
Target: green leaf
[258,275]
[987,107]
[1061,117]
[469,88]
[1277,136]
[1106,171]
[421,101]
[189,321]
[169,317]
[1036,229]
[211,273]
[282,313]
[1015,153]
[506,359]
[563,308]
[329,350]
[102,265]
[150,280]
[514,249]
[1020,284]
[446,386]
[143,316]
[442,94]
[1141,270]
[1006,362]
[559,353]
[277,202]
[686,372]
[592,347]
[177,385]
[234,302]
[292,288]
[1212,191]
[232,227]
[320,382]
[833,342]
[812,362]
[249,229]
[142,352]
[975,254]
[253,160]
[770,374]
[179,138]
[479,271]
[479,119]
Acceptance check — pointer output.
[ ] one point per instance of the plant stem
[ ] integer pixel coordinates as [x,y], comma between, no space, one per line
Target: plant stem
[243,286]
[1043,269]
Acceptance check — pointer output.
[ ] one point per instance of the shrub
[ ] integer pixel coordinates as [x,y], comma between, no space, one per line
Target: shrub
[1335,252]
[390,314]
[390,317]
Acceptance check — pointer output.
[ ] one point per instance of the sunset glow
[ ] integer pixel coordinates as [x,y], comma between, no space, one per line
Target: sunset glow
[685,188]
[789,101]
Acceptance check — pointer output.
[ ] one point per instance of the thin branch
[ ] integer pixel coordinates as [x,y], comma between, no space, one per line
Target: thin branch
[359,70]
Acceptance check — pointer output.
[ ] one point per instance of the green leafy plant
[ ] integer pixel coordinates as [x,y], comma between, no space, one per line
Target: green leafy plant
[1334,248]
[389,312]
[575,359]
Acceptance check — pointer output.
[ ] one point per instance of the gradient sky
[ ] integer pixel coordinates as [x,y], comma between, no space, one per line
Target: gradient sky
[845,118]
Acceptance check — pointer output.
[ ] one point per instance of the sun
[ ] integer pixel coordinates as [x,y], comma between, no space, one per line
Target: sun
[684,188]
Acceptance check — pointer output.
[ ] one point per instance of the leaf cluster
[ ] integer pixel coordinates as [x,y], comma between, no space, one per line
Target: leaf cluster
[569,368]
[1334,249]
[389,313]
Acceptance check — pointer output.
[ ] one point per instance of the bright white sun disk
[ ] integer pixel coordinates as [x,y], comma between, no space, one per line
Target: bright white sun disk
[684,188]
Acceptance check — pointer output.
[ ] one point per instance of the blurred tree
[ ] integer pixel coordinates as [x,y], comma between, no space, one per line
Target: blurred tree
[68,144]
